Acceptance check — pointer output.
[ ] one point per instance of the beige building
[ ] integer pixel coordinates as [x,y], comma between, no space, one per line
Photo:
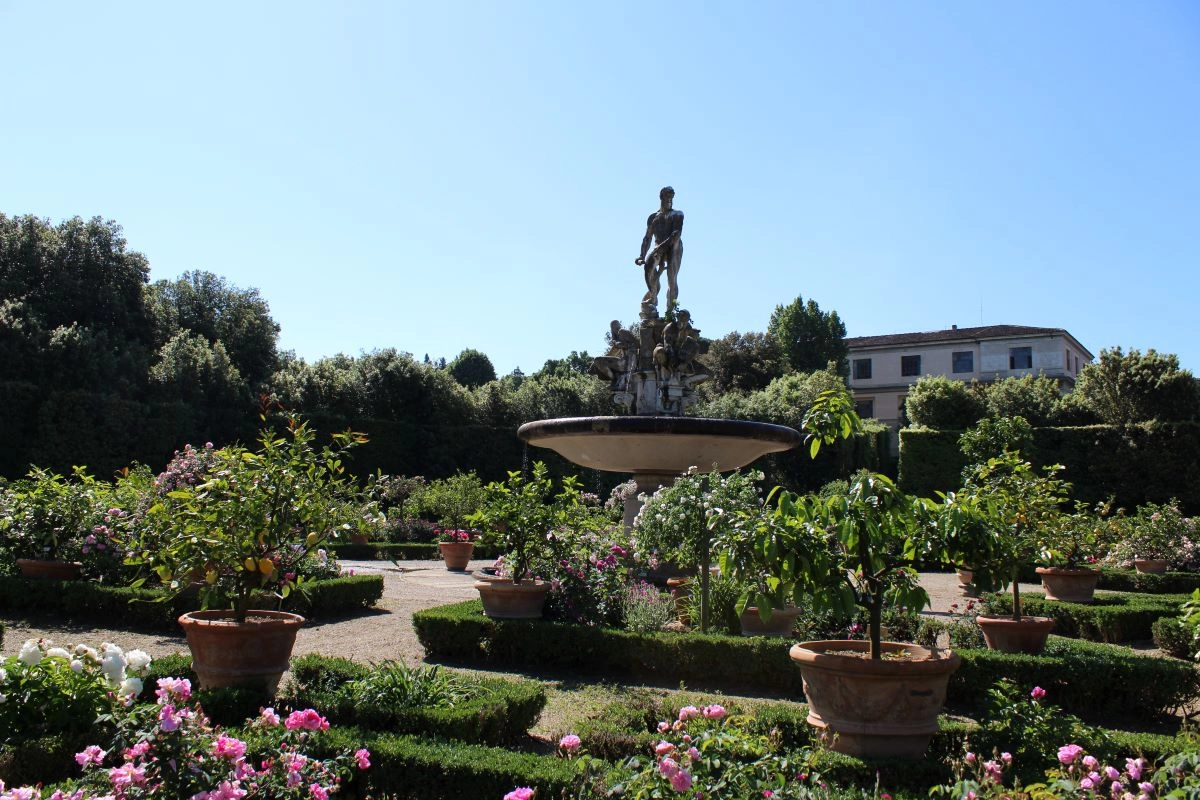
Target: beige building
[883,368]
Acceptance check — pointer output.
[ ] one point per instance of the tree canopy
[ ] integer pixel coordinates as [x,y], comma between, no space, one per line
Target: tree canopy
[809,338]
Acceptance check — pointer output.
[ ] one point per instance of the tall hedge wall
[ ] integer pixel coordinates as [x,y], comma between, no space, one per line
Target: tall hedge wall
[1153,461]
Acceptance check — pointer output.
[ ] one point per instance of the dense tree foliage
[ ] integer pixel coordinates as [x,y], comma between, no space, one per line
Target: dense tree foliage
[206,305]
[742,362]
[942,403]
[1122,388]
[809,338]
[472,369]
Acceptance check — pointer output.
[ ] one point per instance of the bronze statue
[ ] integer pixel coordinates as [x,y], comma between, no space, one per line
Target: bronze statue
[665,228]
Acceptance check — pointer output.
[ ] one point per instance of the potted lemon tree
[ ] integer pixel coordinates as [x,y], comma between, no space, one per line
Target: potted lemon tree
[860,548]
[45,519]
[522,515]
[229,531]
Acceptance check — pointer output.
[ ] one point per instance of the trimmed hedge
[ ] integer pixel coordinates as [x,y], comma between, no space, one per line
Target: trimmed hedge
[1174,636]
[502,714]
[1128,580]
[151,609]
[409,767]
[1111,618]
[1151,461]
[460,632]
[1094,679]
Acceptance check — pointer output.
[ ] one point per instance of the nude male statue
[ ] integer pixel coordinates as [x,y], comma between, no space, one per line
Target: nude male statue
[665,227]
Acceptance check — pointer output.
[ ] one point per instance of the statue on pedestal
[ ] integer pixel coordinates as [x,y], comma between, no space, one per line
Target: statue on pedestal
[665,228]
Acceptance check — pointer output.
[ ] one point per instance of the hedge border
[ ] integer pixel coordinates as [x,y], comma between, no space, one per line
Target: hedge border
[1124,617]
[402,551]
[503,714]
[1100,678]
[140,609]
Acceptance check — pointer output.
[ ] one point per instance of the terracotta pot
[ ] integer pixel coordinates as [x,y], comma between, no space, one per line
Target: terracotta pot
[358,538]
[878,709]
[48,569]
[503,599]
[681,590]
[1071,585]
[456,554]
[780,623]
[253,653]
[1007,635]
[1152,566]
[965,576]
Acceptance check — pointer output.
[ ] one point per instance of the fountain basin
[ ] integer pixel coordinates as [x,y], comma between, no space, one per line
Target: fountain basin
[659,445]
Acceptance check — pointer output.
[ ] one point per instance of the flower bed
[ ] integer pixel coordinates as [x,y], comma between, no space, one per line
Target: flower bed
[403,551]
[153,609]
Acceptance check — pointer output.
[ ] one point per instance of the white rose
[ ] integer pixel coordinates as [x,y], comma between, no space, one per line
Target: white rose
[31,652]
[3,675]
[76,665]
[114,667]
[58,652]
[131,687]
[137,660]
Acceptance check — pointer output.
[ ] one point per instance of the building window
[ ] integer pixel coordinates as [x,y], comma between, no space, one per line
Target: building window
[865,408]
[1067,360]
[1020,358]
[963,360]
[910,365]
[862,369]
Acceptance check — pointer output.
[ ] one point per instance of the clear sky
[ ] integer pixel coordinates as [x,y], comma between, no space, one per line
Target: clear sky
[438,176]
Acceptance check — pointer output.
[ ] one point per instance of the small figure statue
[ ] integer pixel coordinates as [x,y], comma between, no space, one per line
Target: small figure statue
[665,228]
[621,359]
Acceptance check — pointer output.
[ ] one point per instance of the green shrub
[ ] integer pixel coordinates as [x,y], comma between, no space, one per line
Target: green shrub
[1175,636]
[1111,618]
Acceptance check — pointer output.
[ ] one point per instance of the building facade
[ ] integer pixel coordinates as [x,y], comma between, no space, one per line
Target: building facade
[884,368]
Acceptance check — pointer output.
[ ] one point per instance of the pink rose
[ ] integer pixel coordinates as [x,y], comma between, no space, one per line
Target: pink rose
[520,793]
[362,757]
[681,781]
[688,712]
[714,711]
[1038,693]
[663,747]
[570,742]
[1069,753]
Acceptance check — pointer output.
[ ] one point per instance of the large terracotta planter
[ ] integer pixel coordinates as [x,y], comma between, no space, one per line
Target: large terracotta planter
[1151,566]
[456,554]
[45,569]
[253,653]
[1007,635]
[503,599]
[878,709]
[1071,585]
[780,623]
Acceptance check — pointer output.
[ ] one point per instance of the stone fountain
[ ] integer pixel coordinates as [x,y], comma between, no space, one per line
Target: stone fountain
[653,371]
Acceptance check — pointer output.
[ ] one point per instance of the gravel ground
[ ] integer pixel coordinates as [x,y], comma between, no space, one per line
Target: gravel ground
[381,633]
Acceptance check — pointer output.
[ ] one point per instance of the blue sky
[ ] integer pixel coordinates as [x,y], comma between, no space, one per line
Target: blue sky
[438,176]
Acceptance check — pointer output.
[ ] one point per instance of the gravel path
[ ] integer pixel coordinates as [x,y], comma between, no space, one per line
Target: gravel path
[381,633]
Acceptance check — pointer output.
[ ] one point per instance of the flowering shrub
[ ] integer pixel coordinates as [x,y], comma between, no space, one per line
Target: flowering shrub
[588,571]
[189,467]
[1025,724]
[1077,775]
[46,515]
[705,752]
[1155,531]
[54,690]
[646,609]
[171,750]
[452,534]
[963,629]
